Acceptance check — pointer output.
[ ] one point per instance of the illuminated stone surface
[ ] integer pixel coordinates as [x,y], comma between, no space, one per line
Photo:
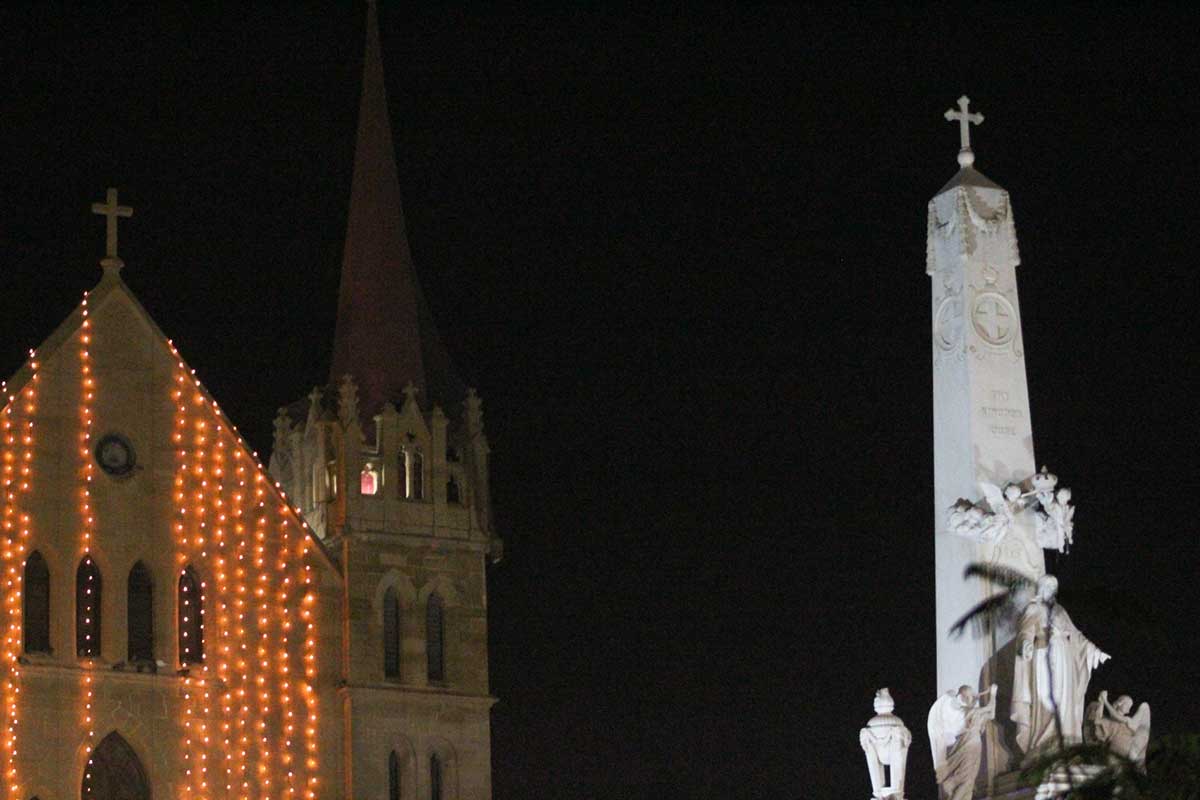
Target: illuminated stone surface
[292,574]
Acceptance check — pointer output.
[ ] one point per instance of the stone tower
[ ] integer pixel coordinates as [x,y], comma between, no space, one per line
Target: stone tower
[982,431]
[389,465]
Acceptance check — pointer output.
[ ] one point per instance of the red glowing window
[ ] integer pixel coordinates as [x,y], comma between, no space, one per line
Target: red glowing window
[369,480]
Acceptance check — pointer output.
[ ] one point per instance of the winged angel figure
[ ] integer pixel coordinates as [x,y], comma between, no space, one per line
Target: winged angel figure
[1055,514]
[991,519]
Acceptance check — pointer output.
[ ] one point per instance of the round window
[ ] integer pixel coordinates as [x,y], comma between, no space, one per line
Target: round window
[115,455]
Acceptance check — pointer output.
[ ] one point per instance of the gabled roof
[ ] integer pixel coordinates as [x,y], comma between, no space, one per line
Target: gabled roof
[385,336]
[112,284]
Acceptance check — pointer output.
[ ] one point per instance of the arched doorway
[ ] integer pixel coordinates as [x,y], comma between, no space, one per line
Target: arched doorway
[114,772]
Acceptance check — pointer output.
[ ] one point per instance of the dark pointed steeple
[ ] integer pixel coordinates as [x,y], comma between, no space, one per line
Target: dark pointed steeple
[385,336]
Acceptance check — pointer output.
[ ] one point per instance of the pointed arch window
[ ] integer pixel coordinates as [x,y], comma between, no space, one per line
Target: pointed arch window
[391,633]
[88,595]
[114,770]
[412,474]
[140,614]
[368,481]
[190,606]
[393,776]
[35,622]
[453,492]
[435,777]
[416,476]
[435,661]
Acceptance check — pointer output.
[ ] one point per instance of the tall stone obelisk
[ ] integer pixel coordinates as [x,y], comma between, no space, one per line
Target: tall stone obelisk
[982,431]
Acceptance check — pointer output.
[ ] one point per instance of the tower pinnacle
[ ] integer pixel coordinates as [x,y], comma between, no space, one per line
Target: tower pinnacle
[385,336]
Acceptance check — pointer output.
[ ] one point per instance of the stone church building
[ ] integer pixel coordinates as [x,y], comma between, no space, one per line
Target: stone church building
[182,620]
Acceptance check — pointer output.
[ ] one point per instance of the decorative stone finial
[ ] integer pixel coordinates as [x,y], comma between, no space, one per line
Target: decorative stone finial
[314,405]
[474,411]
[283,426]
[110,210]
[965,157]
[410,393]
[885,742]
[348,401]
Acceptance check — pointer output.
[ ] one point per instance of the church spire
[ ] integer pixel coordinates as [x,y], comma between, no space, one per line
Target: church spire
[385,337]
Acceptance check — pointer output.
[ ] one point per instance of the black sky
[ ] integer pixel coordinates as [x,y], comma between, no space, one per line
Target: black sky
[681,254]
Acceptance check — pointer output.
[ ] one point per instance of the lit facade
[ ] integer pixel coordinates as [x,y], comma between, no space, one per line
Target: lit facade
[181,620]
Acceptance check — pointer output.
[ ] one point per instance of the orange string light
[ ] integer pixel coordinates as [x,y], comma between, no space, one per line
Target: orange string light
[250,723]
[88,615]
[249,717]
[16,479]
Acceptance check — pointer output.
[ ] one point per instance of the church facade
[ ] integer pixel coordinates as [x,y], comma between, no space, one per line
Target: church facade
[184,620]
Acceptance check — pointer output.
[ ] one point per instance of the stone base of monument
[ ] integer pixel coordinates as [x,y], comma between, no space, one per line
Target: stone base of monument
[1060,781]
[1008,787]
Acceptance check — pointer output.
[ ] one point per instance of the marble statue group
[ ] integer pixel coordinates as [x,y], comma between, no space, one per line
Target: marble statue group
[1053,665]
[1019,693]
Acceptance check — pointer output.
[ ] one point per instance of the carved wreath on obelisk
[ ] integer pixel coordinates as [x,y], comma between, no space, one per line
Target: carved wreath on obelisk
[990,519]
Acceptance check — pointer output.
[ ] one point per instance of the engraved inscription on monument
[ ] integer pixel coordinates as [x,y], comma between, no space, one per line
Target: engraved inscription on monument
[997,413]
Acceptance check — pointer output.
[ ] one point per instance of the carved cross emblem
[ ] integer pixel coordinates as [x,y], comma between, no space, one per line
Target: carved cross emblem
[993,318]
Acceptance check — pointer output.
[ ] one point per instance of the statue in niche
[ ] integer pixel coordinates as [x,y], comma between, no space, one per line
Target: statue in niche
[1125,735]
[1054,663]
[885,742]
[956,723]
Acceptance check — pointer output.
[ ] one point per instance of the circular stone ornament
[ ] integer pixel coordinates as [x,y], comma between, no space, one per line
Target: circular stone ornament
[994,318]
[115,455]
[948,323]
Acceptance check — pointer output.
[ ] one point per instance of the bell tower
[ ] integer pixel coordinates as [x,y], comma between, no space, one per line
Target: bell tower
[389,464]
[983,439]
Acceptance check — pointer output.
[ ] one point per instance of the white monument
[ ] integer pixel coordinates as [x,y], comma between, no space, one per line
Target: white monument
[1052,667]
[885,742]
[983,441]
[956,723]
[1126,734]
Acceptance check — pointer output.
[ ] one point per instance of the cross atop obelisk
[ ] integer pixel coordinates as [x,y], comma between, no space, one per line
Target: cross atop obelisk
[111,211]
[965,157]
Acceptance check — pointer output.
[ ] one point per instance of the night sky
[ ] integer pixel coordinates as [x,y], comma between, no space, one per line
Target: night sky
[682,257]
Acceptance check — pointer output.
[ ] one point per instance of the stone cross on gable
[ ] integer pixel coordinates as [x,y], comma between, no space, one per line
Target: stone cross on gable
[964,118]
[110,210]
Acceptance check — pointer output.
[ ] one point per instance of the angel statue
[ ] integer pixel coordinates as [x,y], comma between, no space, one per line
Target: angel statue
[1055,514]
[988,521]
[956,723]
[1125,735]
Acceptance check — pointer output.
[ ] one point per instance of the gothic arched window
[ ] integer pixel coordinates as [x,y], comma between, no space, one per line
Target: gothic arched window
[413,471]
[435,662]
[391,633]
[140,614]
[435,777]
[36,619]
[368,481]
[393,776]
[115,771]
[88,588]
[453,493]
[191,618]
